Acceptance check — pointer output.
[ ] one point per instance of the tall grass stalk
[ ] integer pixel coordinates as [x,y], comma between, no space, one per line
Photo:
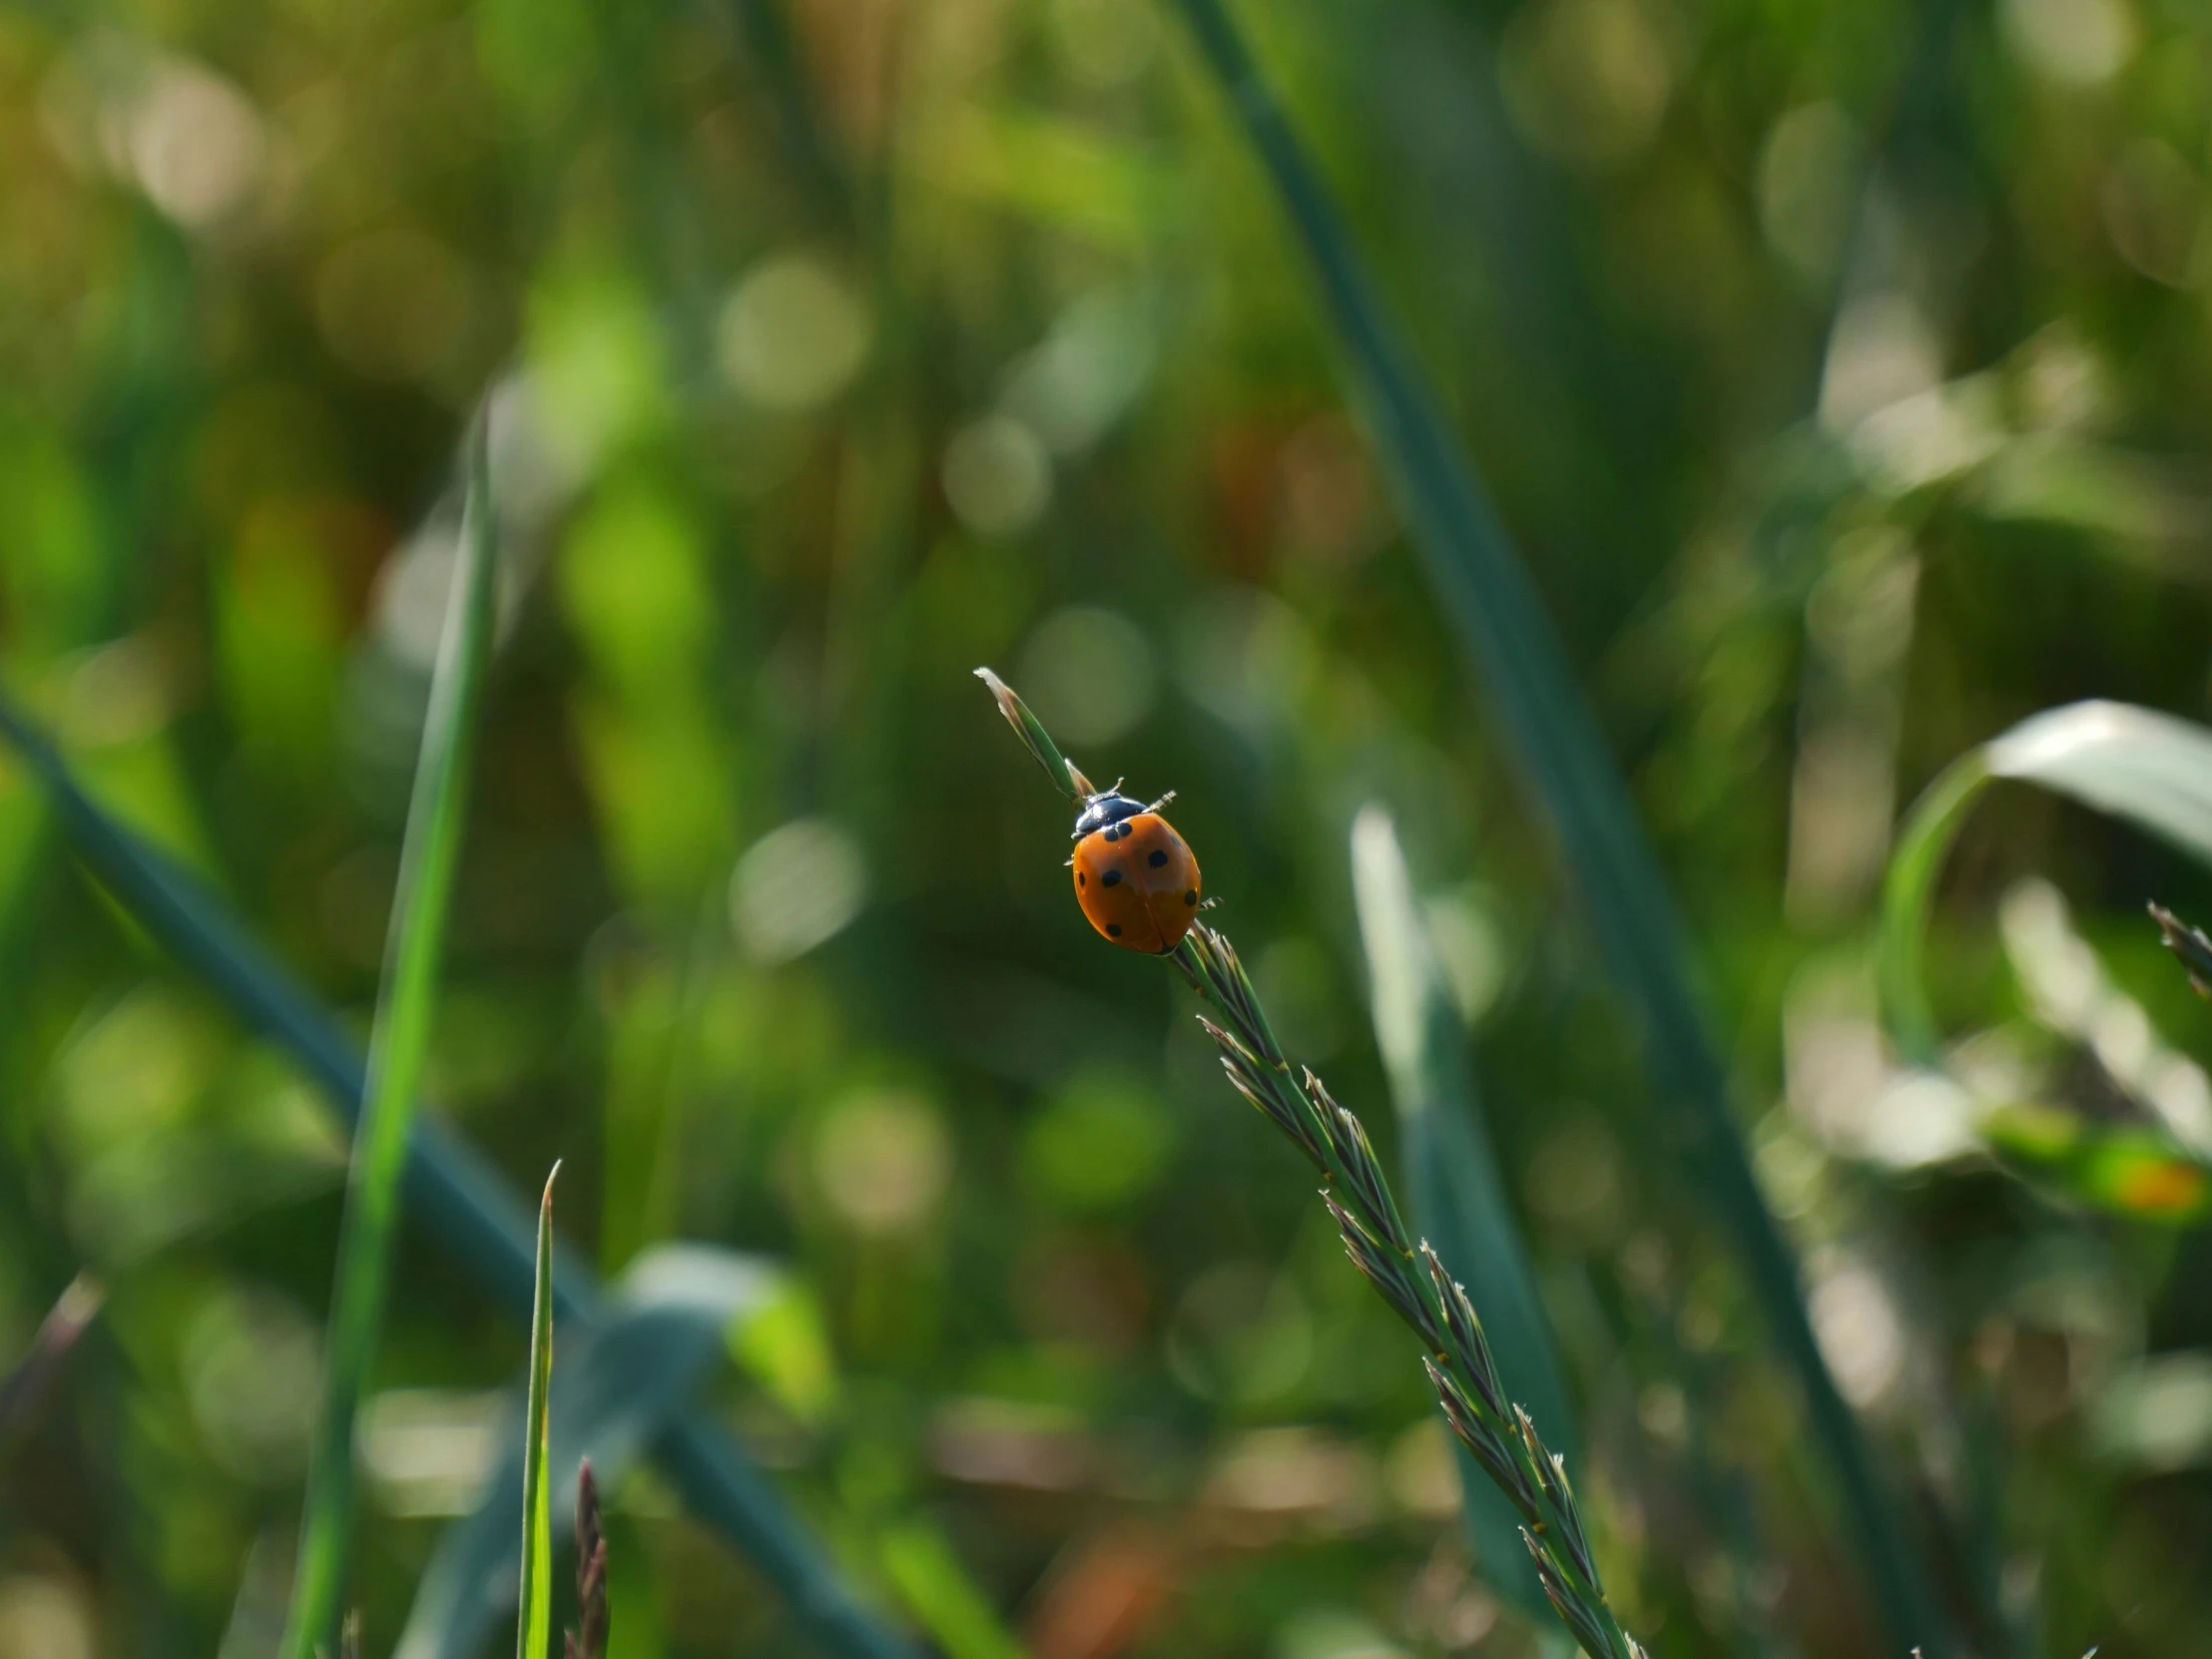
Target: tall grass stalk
[1492,605]
[1497,1434]
[398,1043]
[534,1625]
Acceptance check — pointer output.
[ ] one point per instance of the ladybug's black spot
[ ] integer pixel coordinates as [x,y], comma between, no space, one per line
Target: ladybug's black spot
[1190,897]
[1157,860]
[1081,880]
[1112,878]
[1113,929]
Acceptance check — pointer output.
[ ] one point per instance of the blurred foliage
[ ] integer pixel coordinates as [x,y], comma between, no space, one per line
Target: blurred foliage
[1844,371]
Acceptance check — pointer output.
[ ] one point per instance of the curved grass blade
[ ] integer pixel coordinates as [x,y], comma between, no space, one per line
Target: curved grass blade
[1486,594]
[622,1377]
[1458,1198]
[398,1044]
[534,1630]
[2150,768]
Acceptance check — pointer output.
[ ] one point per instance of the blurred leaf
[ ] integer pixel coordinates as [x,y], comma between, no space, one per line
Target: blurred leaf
[1489,600]
[534,1629]
[2123,1170]
[1077,179]
[936,1587]
[785,1347]
[623,1374]
[398,1043]
[2150,768]
[1458,1198]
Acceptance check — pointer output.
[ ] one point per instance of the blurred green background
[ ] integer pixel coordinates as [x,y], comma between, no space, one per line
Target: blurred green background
[1845,372]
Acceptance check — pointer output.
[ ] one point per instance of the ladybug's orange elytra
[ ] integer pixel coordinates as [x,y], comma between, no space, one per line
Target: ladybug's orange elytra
[1135,878]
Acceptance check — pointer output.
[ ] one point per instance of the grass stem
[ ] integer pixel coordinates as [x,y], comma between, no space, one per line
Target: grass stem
[399,1045]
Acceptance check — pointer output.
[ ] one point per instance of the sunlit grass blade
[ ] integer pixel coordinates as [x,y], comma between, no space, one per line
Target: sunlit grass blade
[459,1198]
[534,1628]
[930,1578]
[2147,767]
[1065,775]
[399,1045]
[1494,606]
[1458,1197]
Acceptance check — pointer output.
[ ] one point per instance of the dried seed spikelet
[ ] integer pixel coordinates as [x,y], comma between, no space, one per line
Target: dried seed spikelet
[1363,1171]
[1468,1344]
[1386,1271]
[1247,1078]
[1571,1607]
[589,1639]
[1475,1432]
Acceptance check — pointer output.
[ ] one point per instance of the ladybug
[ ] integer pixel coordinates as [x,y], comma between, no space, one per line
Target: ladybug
[1134,875]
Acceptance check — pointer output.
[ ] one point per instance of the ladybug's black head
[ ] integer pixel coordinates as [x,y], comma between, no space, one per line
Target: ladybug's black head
[1100,810]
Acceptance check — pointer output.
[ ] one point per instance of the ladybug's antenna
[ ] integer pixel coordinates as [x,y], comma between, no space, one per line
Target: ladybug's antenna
[1162,801]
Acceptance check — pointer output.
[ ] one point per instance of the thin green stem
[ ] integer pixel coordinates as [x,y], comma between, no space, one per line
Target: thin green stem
[534,1628]
[398,1044]
[1498,1434]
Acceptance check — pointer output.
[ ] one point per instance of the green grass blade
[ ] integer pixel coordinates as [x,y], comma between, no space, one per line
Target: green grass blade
[398,1044]
[1494,606]
[930,1578]
[1458,1198]
[534,1629]
[459,1198]
[1908,892]
[1066,777]
[2147,767]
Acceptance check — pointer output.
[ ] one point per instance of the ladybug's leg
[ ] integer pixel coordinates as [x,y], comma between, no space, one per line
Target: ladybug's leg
[1162,801]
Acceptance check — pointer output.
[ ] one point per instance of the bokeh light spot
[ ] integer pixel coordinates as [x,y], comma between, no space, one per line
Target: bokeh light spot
[1088,673]
[1103,1141]
[883,1162]
[196,144]
[796,888]
[2073,42]
[998,476]
[793,333]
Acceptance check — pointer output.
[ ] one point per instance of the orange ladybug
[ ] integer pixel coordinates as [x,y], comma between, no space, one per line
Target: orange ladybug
[1134,875]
